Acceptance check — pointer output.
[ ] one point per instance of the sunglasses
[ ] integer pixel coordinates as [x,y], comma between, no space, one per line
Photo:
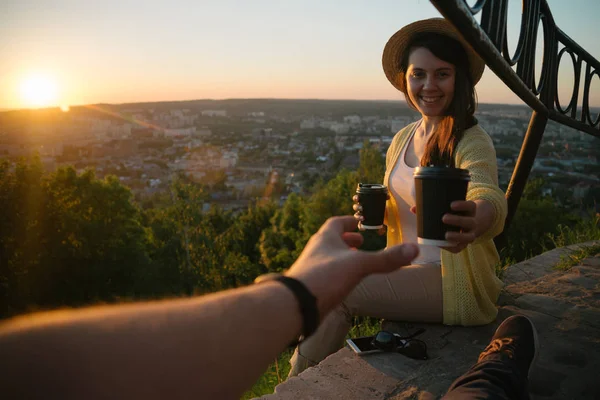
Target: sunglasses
[405,345]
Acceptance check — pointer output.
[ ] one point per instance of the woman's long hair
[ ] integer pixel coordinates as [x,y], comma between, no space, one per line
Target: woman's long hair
[459,114]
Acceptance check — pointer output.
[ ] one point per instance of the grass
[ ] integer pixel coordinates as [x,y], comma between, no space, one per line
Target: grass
[503,264]
[364,326]
[584,231]
[276,373]
[576,257]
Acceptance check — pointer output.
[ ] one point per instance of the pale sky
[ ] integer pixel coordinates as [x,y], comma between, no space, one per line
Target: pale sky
[117,51]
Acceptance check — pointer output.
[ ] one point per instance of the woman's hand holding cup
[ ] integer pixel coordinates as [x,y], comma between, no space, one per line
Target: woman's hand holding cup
[440,192]
[357,207]
[465,220]
[375,197]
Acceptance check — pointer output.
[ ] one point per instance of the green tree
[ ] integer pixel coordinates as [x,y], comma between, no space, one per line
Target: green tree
[211,250]
[94,231]
[167,274]
[219,179]
[238,247]
[250,226]
[281,243]
[372,164]
[537,217]
[21,209]
[67,239]
[592,199]
[195,235]
[334,198]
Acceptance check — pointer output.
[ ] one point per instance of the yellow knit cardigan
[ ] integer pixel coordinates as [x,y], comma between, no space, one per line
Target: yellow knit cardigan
[469,283]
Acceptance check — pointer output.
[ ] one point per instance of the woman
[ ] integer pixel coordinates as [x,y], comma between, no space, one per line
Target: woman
[436,70]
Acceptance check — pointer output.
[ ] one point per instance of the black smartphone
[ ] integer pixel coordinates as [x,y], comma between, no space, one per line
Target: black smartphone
[362,345]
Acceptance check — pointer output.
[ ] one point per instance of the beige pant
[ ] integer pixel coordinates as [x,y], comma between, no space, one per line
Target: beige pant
[412,293]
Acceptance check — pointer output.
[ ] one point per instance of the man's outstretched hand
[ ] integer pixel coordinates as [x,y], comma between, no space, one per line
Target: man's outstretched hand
[331,266]
[125,347]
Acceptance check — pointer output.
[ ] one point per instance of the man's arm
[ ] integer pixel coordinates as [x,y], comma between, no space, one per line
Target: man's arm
[214,346]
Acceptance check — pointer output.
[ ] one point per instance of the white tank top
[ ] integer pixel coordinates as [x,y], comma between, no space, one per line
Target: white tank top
[402,187]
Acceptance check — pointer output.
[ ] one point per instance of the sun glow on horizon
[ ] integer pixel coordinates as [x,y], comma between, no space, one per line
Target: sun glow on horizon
[39,90]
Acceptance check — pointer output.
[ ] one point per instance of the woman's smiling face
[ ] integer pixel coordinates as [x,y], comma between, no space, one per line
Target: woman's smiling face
[429,82]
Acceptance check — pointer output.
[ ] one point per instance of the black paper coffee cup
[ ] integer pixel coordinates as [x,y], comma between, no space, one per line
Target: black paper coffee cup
[372,199]
[435,189]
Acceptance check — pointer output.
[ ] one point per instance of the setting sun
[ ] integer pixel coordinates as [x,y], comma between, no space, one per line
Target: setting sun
[39,91]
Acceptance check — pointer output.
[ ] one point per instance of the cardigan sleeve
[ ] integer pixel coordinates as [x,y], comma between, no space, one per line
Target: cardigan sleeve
[476,153]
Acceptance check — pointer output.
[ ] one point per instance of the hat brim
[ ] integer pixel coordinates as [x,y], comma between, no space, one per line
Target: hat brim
[398,43]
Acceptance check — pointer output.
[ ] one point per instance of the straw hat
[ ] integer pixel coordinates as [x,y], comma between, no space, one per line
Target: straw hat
[397,44]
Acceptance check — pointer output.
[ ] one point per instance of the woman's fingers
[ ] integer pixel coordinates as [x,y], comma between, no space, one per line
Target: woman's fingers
[460,237]
[466,207]
[465,223]
[358,208]
[413,210]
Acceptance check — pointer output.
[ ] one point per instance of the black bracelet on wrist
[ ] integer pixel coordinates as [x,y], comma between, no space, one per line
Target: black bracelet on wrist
[306,300]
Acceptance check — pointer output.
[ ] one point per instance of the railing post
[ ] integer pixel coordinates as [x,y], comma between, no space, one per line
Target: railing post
[529,148]
[488,40]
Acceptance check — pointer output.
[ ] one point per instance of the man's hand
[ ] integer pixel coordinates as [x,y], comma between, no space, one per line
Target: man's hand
[330,266]
[117,351]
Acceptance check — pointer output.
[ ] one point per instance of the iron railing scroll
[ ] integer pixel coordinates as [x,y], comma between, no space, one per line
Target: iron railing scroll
[517,71]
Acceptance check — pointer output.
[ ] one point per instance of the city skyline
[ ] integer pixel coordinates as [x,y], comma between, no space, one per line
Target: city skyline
[72,53]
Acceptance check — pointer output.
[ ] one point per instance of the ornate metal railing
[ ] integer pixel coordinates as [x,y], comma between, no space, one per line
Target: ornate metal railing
[489,39]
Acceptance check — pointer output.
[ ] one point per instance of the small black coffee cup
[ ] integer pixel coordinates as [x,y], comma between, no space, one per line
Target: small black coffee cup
[435,189]
[372,198]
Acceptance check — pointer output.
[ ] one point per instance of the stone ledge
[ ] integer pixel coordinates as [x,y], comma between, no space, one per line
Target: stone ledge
[342,375]
[540,265]
[565,307]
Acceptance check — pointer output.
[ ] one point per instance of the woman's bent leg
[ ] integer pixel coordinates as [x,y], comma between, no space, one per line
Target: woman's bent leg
[326,340]
[412,293]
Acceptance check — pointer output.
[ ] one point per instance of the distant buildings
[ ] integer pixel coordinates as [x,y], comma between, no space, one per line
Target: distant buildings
[228,159]
[399,123]
[214,113]
[122,148]
[352,119]
[153,145]
[310,123]
[339,128]
[203,132]
[140,133]
[181,132]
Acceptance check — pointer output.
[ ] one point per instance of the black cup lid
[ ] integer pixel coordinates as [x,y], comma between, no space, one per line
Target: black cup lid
[442,172]
[371,187]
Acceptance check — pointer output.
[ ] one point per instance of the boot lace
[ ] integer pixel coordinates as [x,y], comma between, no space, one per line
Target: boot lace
[499,345]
